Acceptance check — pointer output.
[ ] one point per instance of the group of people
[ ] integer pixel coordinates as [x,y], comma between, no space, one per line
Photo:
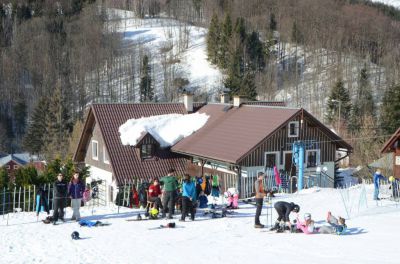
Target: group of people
[191,193]
[284,209]
[63,190]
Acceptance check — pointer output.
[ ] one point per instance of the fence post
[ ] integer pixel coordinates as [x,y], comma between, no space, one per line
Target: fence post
[29,196]
[15,190]
[24,202]
[19,198]
[4,199]
[34,198]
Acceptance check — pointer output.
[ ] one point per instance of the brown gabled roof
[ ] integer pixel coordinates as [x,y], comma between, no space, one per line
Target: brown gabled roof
[388,146]
[125,162]
[232,132]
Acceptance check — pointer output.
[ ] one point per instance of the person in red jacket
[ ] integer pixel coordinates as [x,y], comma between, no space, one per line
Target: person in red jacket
[155,194]
[134,197]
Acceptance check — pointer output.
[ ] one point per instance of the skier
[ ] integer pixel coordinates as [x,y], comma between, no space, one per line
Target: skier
[60,194]
[188,198]
[284,209]
[377,177]
[260,194]
[170,187]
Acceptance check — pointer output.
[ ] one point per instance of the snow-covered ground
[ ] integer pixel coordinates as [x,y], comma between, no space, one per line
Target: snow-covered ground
[372,235]
[395,3]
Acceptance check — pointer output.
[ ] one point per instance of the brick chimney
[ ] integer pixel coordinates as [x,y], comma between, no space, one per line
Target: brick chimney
[224,98]
[238,100]
[188,101]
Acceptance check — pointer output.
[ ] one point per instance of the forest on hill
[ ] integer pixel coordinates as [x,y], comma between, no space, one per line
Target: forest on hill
[57,57]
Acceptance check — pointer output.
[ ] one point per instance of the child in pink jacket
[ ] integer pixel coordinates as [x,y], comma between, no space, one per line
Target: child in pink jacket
[307,227]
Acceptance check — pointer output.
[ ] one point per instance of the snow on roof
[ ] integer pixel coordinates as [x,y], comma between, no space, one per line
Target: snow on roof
[166,129]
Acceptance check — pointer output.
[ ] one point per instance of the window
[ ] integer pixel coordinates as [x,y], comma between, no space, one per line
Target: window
[146,151]
[105,156]
[271,159]
[95,150]
[293,129]
[15,167]
[8,167]
[312,158]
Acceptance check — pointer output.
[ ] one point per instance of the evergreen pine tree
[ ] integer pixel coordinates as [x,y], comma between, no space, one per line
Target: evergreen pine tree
[213,38]
[36,134]
[4,179]
[235,72]
[146,88]
[240,29]
[297,35]
[272,23]
[390,110]
[338,98]
[255,51]
[248,87]
[364,104]
[58,126]
[226,35]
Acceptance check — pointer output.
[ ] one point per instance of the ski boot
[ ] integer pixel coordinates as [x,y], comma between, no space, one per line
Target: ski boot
[275,227]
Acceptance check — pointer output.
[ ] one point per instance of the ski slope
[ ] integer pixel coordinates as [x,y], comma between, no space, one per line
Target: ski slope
[373,233]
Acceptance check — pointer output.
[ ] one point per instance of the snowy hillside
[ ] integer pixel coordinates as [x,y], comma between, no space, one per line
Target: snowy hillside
[395,3]
[176,51]
[371,237]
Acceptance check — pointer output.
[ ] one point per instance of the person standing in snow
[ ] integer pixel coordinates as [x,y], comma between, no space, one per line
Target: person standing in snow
[260,194]
[75,192]
[154,194]
[284,209]
[60,189]
[42,201]
[170,186]
[377,177]
[188,197]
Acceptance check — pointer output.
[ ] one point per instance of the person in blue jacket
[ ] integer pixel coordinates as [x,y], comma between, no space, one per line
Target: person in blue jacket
[188,197]
[377,177]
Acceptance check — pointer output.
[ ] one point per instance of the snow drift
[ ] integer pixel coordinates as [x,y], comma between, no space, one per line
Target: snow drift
[166,129]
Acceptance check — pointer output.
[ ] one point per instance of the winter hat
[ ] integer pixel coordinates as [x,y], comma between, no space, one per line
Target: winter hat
[307,216]
[296,208]
[75,235]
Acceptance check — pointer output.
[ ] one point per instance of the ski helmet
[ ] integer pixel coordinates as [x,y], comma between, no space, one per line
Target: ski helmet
[296,208]
[75,235]
[307,216]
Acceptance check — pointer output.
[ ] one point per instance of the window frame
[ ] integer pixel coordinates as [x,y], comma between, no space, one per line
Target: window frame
[106,159]
[97,150]
[297,129]
[317,158]
[277,158]
[16,167]
[149,156]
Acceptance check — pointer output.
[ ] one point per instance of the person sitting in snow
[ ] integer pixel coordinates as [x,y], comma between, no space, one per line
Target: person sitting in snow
[307,227]
[284,209]
[203,200]
[155,194]
[337,225]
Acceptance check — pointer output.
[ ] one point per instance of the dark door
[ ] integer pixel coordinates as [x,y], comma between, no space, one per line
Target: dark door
[288,164]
